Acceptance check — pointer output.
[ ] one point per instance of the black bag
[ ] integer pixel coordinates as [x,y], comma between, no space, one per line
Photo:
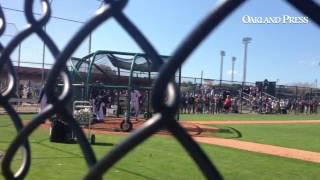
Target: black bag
[59,131]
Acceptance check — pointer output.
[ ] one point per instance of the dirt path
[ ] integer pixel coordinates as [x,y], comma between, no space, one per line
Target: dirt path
[262,148]
[256,122]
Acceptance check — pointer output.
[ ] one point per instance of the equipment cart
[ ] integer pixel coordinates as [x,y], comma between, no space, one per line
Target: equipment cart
[83,113]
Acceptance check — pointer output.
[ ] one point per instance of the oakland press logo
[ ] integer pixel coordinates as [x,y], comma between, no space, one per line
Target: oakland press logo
[284,19]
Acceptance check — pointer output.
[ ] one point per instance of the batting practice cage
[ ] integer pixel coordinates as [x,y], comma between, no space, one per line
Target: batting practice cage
[113,76]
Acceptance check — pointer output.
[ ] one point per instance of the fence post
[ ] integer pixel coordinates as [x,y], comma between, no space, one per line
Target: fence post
[296,92]
[194,86]
[241,95]
[179,86]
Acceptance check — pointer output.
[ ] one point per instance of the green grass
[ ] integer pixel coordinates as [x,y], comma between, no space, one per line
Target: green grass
[299,136]
[158,158]
[22,116]
[208,117]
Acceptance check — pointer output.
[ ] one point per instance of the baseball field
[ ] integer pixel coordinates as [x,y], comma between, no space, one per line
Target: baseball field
[241,146]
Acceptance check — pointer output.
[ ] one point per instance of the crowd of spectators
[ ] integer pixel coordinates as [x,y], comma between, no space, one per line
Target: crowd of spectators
[214,101]
[208,103]
[250,99]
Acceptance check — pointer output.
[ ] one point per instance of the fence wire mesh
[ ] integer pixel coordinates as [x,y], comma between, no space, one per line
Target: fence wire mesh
[165,94]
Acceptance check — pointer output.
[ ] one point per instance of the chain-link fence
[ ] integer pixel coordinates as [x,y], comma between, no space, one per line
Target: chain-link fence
[165,94]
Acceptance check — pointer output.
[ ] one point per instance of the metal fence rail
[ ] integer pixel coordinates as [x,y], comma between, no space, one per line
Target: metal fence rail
[165,93]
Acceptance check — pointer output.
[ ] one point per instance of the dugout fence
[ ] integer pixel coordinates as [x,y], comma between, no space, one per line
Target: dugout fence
[164,95]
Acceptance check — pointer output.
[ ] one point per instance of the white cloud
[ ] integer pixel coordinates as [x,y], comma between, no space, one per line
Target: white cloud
[309,63]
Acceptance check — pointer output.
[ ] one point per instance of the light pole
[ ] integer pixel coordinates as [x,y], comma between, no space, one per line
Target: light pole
[201,79]
[232,71]
[43,47]
[19,46]
[43,58]
[19,53]
[44,51]
[90,41]
[245,41]
[222,53]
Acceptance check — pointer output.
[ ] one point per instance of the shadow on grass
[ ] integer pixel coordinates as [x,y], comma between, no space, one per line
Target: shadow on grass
[133,173]
[102,144]
[227,133]
[41,143]
[57,157]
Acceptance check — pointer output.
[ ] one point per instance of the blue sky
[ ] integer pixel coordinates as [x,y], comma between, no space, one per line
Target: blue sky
[287,52]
